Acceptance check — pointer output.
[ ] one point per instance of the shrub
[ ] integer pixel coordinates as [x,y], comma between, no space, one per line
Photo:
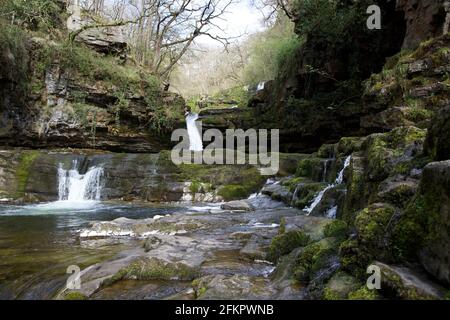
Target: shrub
[32,14]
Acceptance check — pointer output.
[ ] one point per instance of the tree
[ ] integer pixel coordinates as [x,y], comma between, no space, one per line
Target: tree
[161,30]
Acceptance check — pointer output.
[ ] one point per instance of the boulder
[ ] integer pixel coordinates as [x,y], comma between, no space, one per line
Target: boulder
[408,284]
[237,205]
[424,227]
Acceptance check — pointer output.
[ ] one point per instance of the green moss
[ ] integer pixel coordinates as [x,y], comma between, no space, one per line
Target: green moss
[364,293]
[371,224]
[282,228]
[416,226]
[314,257]
[309,167]
[286,242]
[23,169]
[306,193]
[339,286]
[233,192]
[349,257]
[195,187]
[336,229]
[348,145]
[153,269]
[75,295]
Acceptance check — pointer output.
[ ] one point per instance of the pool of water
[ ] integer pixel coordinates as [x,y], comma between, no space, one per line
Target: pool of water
[39,242]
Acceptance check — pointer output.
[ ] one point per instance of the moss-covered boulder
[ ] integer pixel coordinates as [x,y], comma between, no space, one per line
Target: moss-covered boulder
[286,242]
[154,269]
[339,286]
[437,144]
[314,258]
[372,227]
[424,227]
[372,171]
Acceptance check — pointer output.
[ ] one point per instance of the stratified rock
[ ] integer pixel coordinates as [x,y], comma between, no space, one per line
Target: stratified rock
[101,39]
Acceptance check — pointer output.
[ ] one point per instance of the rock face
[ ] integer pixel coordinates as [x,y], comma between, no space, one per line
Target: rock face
[104,40]
[81,99]
[425,225]
[424,19]
[30,175]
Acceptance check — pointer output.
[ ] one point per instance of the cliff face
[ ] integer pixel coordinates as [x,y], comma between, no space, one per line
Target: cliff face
[81,95]
[323,93]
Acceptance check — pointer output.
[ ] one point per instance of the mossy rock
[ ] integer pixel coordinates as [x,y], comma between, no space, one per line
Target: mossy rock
[154,269]
[348,145]
[75,295]
[337,229]
[311,168]
[364,293]
[306,193]
[422,230]
[372,226]
[284,243]
[23,169]
[327,151]
[339,286]
[234,192]
[315,257]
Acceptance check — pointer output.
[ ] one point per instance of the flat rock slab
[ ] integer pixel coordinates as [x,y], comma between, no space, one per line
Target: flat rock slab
[227,248]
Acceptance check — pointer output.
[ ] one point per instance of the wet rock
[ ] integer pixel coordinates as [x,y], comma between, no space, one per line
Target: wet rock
[277,192]
[235,287]
[255,249]
[311,226]
[237,205]
[152,243]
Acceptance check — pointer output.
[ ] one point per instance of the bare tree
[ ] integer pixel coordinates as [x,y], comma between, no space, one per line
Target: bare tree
[162,30]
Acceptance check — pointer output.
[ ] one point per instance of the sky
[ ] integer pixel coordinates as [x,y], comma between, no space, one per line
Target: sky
[241,18]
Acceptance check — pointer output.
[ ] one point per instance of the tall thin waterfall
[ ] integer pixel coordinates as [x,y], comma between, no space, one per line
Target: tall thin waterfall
[76,187]
[339,180]
[195,139]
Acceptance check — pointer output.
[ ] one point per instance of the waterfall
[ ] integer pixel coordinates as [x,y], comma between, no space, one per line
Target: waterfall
[76,187]
[339,180]
[261,86]
[195,140]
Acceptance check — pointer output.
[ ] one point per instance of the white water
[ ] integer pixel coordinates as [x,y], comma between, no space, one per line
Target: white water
[76,187]
[339,180]
[195,140]
[261,86]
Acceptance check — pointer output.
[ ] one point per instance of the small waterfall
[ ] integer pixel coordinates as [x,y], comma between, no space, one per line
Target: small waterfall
[76,187]
[195,140]
[261,86]
[339,180]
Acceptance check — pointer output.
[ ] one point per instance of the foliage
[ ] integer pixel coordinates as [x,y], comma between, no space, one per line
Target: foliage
[13,55]
[271,52]
[32,14]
